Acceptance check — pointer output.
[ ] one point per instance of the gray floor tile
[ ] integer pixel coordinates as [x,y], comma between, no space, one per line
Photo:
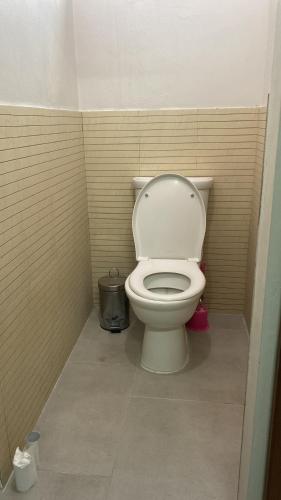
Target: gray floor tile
[179,440]
[98,345]
[226,321]
[227,341]
[71,487]
[127,487]
[216,371]
[81,424]
[53,486]
[153,433]
[86,380]
[82,440]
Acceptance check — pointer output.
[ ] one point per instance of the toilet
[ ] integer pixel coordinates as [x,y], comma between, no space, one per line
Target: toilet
[169,223]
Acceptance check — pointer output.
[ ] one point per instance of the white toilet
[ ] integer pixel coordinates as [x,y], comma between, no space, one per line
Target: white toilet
[169,222]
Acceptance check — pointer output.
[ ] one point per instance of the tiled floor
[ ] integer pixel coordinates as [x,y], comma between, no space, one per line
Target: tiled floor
[111,431]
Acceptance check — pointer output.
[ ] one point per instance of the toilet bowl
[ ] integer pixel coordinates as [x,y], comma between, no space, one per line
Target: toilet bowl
[164,295]
[169,222]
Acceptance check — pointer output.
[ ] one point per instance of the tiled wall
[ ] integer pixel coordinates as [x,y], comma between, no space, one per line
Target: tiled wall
[5,463]
[45,285]
[198,142]
[253,230]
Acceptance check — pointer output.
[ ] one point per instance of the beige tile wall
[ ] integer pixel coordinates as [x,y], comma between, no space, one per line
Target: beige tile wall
[5,462]
[201,142]
[45,289]
[254,221]
[45,284]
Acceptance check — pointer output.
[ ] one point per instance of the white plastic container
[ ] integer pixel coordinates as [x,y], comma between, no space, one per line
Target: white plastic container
[32,446]
[25,470]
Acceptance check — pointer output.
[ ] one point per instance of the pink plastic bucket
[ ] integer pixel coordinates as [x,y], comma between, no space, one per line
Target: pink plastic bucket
[199,320]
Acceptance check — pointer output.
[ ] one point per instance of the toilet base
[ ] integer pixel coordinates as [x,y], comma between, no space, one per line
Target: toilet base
[164,351]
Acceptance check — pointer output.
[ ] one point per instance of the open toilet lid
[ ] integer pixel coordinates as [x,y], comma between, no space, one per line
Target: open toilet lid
[169,219]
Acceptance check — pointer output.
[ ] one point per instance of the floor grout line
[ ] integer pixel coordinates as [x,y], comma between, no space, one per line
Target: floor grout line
[203,401]
[122,431]
[78,474]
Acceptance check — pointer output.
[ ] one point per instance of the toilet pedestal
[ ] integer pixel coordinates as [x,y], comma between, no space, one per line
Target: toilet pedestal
[165,351]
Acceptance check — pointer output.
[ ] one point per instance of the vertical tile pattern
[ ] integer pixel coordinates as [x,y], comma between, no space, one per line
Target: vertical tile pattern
[254,221]
[45,286]
[221,143]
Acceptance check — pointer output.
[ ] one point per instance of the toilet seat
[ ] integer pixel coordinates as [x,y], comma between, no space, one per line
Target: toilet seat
[169,220]
[182,272]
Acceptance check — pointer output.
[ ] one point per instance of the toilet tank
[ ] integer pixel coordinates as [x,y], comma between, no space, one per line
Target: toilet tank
[203,185]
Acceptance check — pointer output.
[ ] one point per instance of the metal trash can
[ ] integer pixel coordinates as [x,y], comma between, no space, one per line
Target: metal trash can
[114,304]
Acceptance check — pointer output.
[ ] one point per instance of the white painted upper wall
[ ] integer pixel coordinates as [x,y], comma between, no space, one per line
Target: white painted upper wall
[37,54]
[135,53]
[172,53]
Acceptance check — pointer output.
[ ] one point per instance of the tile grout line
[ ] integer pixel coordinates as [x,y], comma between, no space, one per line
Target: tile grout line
[78,474]
[199,401]
[122,431]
